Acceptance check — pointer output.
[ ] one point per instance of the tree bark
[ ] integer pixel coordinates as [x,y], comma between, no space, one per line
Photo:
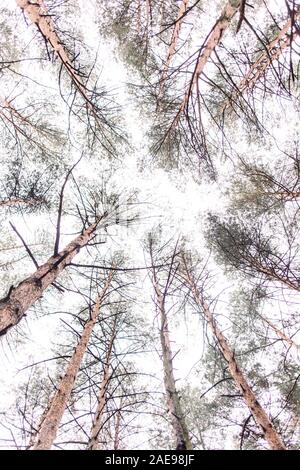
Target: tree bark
[172,48]
[180,430]
[19,299]
[50,423]
[117,428]
[37,13]
[272,52]
[13,201]
[271,273]
[207,49]
[13,112]
[281,333]
[259,414]
[24,124]
[94,443]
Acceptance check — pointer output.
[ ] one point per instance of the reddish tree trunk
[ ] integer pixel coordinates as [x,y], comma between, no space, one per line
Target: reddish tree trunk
[93,443]
[19,299]
[273,51]
[207,49]
[52,418]
[179,427]
[172,48]
[38,15]
[259,414]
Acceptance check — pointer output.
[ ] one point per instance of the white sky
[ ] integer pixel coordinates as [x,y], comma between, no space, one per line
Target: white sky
[179,202]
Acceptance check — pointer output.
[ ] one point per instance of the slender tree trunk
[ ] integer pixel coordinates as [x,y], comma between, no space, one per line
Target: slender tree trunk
[172,48]
[14,201]
[22,123]
[286,195]
[259,414]
[180,430]
[49,426]
[13,112]
[19,299]
[272,52]
[15,118]
[38,15]
[117,428]
[94,443]
[273,275]
[207,49]
[139,17]
[281,334]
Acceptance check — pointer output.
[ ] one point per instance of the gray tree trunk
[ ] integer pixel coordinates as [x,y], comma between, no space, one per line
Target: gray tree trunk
[180,430]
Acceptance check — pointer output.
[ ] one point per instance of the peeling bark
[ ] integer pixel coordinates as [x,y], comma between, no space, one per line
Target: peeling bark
[259,414]
[50,423]
[14,306]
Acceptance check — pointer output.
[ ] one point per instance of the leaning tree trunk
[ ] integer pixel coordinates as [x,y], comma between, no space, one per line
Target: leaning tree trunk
[281,334]
[19,299]
[50,422]
[94,443]
[180,430]
[272,53]
[10,113]
[38,15]
[172,48]
[259,414]
[207,49]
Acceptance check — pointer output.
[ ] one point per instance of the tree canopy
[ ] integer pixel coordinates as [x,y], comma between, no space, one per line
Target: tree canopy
[149,205]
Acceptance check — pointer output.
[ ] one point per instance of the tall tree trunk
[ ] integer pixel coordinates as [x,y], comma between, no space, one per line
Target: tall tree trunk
[19,299]
[180,430]
[139,17]
[172,48]
[271,273]
[94,443]
[38,15]
[19,122]
[14,201]
[281,333]
[117,428]
[259,414]
[286,195]
[24,124]
[271,53]
[9,113]
[49,426]
[207,49]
